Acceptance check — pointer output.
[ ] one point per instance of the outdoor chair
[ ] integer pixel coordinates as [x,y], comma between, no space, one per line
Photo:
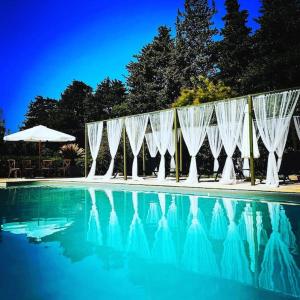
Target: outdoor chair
[12,168]
[238,168]
[27,168]
[64,170]
[47,167]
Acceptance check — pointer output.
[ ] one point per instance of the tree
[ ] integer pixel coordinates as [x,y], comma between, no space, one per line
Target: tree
[234,51]
[104,103]
[276,47]
[71,112]
[150,80]
[2,132]
[41,111]
[194,42]
[205,90]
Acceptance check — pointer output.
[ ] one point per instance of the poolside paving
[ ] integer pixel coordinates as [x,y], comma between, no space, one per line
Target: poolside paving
[169,182]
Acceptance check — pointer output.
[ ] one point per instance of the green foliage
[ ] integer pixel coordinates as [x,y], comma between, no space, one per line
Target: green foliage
[276,46]
[194,50]
[71,151]
[41,111]
[2,132]
[205,90]
[234,50]
[101,104]
[151,80]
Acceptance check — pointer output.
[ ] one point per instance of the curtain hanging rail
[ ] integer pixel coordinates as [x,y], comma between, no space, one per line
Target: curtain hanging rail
[203,104]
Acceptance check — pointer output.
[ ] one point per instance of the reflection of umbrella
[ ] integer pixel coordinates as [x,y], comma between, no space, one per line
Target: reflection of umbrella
[234,261]
[39,134]
[37,228]
[163,246]
[279,272]
[218,226]
[198,253]
[285,229]
[94,234]
[137,240]
[114,239]
[172,213]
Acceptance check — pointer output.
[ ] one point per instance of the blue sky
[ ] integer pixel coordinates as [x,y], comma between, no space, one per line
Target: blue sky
[47,44]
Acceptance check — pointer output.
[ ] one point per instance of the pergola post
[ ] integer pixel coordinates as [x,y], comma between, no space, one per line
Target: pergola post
[180,152]
[176,145]
[124,153]
[250,112]
[144,160]
[85,152]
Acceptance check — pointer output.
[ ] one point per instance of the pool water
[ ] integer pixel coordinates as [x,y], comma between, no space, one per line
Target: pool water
[104,243]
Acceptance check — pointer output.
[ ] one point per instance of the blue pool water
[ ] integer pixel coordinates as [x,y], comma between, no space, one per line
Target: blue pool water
[104,243]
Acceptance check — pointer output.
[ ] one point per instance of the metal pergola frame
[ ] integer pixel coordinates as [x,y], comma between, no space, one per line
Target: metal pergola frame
[178,152]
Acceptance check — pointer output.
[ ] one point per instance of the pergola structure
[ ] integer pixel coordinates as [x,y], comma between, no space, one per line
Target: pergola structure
[271,112]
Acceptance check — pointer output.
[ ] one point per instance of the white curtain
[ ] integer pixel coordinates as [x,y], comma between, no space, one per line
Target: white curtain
[273,114]
[215,144]
[151,144]
[171,147]
[135,128]
[280,148]
[229,116]
[245,143]
[297,125]
[94,136]
[162,124]
[193,123]
[114,132]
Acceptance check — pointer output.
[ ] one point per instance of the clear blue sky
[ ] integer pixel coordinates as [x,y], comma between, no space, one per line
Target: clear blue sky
[45,44]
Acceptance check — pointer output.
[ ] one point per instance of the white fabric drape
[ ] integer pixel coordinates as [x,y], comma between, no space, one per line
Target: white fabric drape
[297,125]
[94,136]
[136,128]
[280,148]
[171,147]
[193,123]
[245,143]
[114,132]
[215,144]
[162,124]
[151,144]
[273,114]
[229,116]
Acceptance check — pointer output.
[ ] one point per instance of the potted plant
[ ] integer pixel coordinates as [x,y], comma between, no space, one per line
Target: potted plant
[72,152]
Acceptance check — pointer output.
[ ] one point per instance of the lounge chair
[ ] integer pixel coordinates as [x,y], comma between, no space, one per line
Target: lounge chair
[64,170]
[47,167]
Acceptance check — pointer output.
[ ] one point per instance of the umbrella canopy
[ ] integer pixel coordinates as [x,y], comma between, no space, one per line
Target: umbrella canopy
[39,134]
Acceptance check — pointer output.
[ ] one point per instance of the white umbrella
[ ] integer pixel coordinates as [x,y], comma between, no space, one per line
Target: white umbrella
[38,228]
[39,134]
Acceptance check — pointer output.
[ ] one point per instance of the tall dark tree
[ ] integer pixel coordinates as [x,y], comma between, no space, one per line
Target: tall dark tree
[234,50]
[151,80]
[276,47]
[71,116]
[2,132]
[41,111]
[104,103]
[194,42]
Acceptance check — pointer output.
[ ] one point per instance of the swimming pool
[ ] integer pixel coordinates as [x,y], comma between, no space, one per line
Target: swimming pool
[112,243]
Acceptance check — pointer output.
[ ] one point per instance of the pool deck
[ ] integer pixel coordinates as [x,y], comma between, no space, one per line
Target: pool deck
[169,182]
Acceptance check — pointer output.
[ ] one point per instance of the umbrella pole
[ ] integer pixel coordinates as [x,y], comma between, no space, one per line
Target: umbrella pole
[40,157]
